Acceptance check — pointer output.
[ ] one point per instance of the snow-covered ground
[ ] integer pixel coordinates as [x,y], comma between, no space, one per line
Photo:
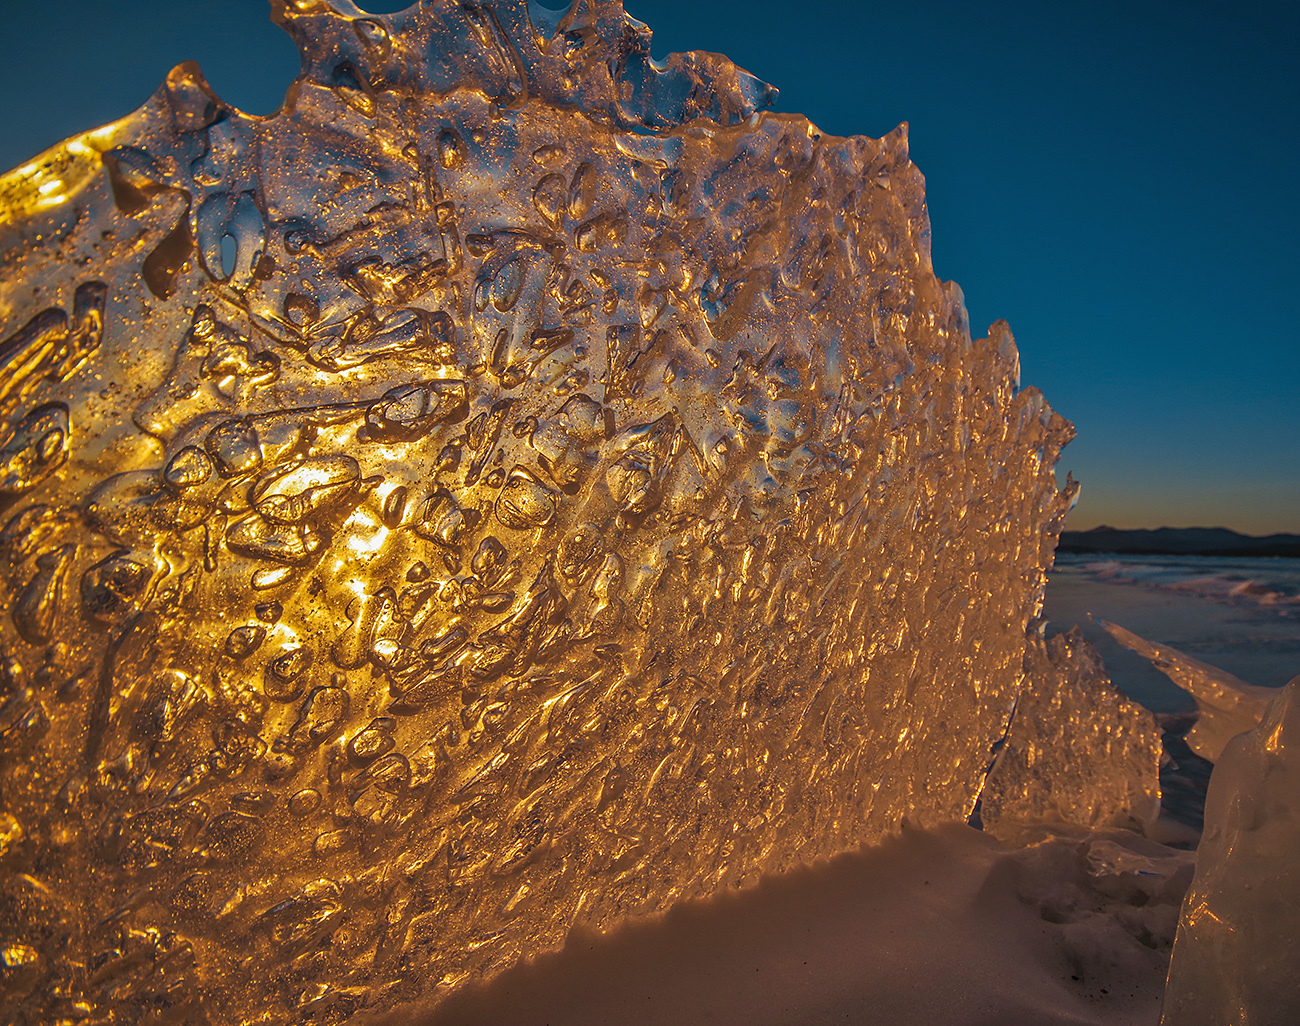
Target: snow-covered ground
[933,928]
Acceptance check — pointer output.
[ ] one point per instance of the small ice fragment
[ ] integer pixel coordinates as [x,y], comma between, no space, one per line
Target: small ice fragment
[1077,751]
[1119,871]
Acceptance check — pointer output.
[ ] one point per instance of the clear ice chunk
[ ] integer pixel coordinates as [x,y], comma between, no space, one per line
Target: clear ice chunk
[1226,705]
[1236,959]
[1077,751]
[517,485]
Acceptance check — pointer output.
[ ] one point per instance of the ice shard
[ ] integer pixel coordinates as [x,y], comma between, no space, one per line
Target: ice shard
[1236,958]
[517,484]
[1226,705]
[1077,751]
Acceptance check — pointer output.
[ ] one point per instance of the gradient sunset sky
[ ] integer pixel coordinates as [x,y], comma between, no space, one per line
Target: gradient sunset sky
[1116,179]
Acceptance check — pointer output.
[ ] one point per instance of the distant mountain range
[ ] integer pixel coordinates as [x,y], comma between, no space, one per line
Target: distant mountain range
[1179,541]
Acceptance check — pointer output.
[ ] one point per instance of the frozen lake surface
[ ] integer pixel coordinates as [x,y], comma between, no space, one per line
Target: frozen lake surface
[1239,614]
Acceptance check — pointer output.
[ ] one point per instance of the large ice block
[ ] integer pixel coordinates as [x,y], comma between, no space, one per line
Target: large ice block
[517,484]
[1236,958]
[1077,751]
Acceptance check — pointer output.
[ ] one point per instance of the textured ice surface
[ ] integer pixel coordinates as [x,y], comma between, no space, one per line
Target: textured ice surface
[1226,706]
[1237,956]
[1077,751]
[516,485]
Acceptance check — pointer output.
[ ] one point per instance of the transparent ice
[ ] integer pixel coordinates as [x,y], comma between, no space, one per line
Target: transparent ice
[1236,958]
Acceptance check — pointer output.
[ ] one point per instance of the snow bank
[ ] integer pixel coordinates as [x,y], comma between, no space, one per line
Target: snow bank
[945,927]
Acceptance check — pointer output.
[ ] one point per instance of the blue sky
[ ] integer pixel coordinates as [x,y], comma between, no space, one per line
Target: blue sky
[1117,180]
